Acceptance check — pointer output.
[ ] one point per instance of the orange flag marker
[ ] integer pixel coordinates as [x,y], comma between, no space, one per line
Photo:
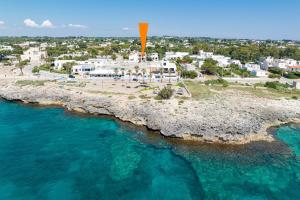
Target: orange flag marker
[143,36]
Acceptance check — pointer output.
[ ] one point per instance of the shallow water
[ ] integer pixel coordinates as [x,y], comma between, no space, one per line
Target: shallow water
[46,153]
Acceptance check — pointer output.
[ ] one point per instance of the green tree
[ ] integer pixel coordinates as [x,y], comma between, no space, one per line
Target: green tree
[67,67]
[161,71]
[113,56]
[143,73]
[130,73]
[116,70]
[35,70]
[189,74]
[150,76]
[21,66]
[165,93]
[210,67]
[123,73]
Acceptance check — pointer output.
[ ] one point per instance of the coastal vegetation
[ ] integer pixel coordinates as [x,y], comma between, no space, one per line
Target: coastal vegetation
[165,93]
[21,65]
[271,90]
[35,70]
[276,72]
[189,74]
[199,90]
[276,85]
[219,81]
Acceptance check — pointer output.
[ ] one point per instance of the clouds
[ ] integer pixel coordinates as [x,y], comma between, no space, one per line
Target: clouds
[2,24]
[76,26]
[47,24]
[125,29]
[30,23]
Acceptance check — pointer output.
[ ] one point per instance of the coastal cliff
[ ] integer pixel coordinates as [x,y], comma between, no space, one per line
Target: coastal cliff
[231,119]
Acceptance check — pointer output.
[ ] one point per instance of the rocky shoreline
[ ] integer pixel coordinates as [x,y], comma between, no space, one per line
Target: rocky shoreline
[226,118]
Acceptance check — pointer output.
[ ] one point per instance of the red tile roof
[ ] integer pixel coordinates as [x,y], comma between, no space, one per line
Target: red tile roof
[295,67]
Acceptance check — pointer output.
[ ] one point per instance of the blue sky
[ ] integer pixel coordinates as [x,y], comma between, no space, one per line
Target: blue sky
[261,19]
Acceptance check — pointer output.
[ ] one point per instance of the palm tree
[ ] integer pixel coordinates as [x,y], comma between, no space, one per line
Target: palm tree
[143,72]
[129,72]
[116,70]
[169,71]
[137,68]
[123,73]
[161,71]
[179,76]
[150,75]
[21,65]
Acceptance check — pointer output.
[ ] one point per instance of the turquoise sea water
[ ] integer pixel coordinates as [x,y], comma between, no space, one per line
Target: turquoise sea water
[46,153]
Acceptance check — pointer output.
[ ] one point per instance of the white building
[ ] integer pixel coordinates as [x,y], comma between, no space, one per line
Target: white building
[103,73]
[75,54]
[200,63]
[105,44]
[223,61]
[97,62]
[175,55]
[154,57]
[27,44]
[293,68]
[236,62]
[150,44]
[251,67]
[296,84]
[281,63]
[259,73]
[169,70]
[44,45]
[82,69]
[267,63]
[6,48]
[137,57]
[204,55]
[34,55]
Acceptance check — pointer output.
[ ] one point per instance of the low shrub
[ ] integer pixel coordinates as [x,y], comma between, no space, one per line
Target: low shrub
[276,85]
[217,82]
[165,93]
[45,67]
[295,97]
[274,76]
[131,97]
[189,74]
[35,69]
[291,75]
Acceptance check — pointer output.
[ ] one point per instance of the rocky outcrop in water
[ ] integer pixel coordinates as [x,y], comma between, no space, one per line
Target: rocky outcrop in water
[226,119]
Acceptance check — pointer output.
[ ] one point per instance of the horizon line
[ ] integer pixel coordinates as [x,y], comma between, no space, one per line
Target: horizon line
[151,36]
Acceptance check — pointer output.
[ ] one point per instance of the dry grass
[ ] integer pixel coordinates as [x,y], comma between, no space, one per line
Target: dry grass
[31,82]
[201,91]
